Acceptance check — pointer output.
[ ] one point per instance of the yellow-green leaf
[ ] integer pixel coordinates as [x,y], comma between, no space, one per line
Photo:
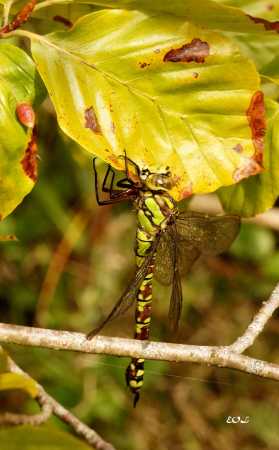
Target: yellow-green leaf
[271,70]
[268,9]
[17,381]
[205,13]
[257,194]
[117,85]
[18,85]
[262,47]
[39,438]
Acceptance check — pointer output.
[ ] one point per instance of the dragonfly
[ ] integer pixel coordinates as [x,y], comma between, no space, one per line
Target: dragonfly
[168,242]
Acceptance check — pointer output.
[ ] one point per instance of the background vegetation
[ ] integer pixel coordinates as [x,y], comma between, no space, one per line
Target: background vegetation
[71,261]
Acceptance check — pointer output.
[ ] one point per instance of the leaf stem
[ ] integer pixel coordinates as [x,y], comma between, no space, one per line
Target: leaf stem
[47,3]
[6,12]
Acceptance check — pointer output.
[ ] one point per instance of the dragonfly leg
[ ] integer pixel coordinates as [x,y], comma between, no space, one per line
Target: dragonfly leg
[133,164]
[104,184]
[115,195]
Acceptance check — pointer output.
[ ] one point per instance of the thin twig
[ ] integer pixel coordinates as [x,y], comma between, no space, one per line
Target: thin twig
[65,340]
[257,324]
[57,263]
[22,16]
[45,400]
[27,419]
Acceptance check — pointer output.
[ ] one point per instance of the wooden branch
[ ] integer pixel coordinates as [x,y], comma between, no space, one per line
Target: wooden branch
[257,324]
[226,356]
[49,403]
[65,340]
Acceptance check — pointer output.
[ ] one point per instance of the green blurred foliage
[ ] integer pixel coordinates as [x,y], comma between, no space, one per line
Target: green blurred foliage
[254,243]
[71,262]
[43,438]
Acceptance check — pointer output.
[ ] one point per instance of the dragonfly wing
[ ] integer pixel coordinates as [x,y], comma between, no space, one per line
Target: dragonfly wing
[210,235]
[176,294]
[128,297]
[165,259]
[175,256]
[175,302]
[187,255]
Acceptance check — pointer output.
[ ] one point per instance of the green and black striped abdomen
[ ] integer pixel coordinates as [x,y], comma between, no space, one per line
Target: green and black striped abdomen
[154,212]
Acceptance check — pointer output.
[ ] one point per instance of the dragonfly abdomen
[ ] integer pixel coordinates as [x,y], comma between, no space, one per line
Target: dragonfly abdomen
[154,212]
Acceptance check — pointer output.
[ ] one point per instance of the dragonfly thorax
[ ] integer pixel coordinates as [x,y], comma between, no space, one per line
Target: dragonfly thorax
[155,210]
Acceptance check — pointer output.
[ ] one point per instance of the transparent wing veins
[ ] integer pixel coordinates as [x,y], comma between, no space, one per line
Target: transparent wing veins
[128,298]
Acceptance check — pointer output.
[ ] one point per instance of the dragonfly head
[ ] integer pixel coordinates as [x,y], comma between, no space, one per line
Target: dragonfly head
[156,181]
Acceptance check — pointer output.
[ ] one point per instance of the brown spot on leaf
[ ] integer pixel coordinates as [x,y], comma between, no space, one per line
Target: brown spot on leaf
[238,148]
[251,167]
[29,161]
[25,114]
[270,26]
[256,118]
[195,74]
[195,51]
[270,7]
[63,20]
[91,120]
[143,65]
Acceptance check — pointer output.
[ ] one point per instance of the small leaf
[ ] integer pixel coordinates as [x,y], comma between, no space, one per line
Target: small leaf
[257,194]
[173,96]
[17,381]
[39,438]
[7,237]
[18,85]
